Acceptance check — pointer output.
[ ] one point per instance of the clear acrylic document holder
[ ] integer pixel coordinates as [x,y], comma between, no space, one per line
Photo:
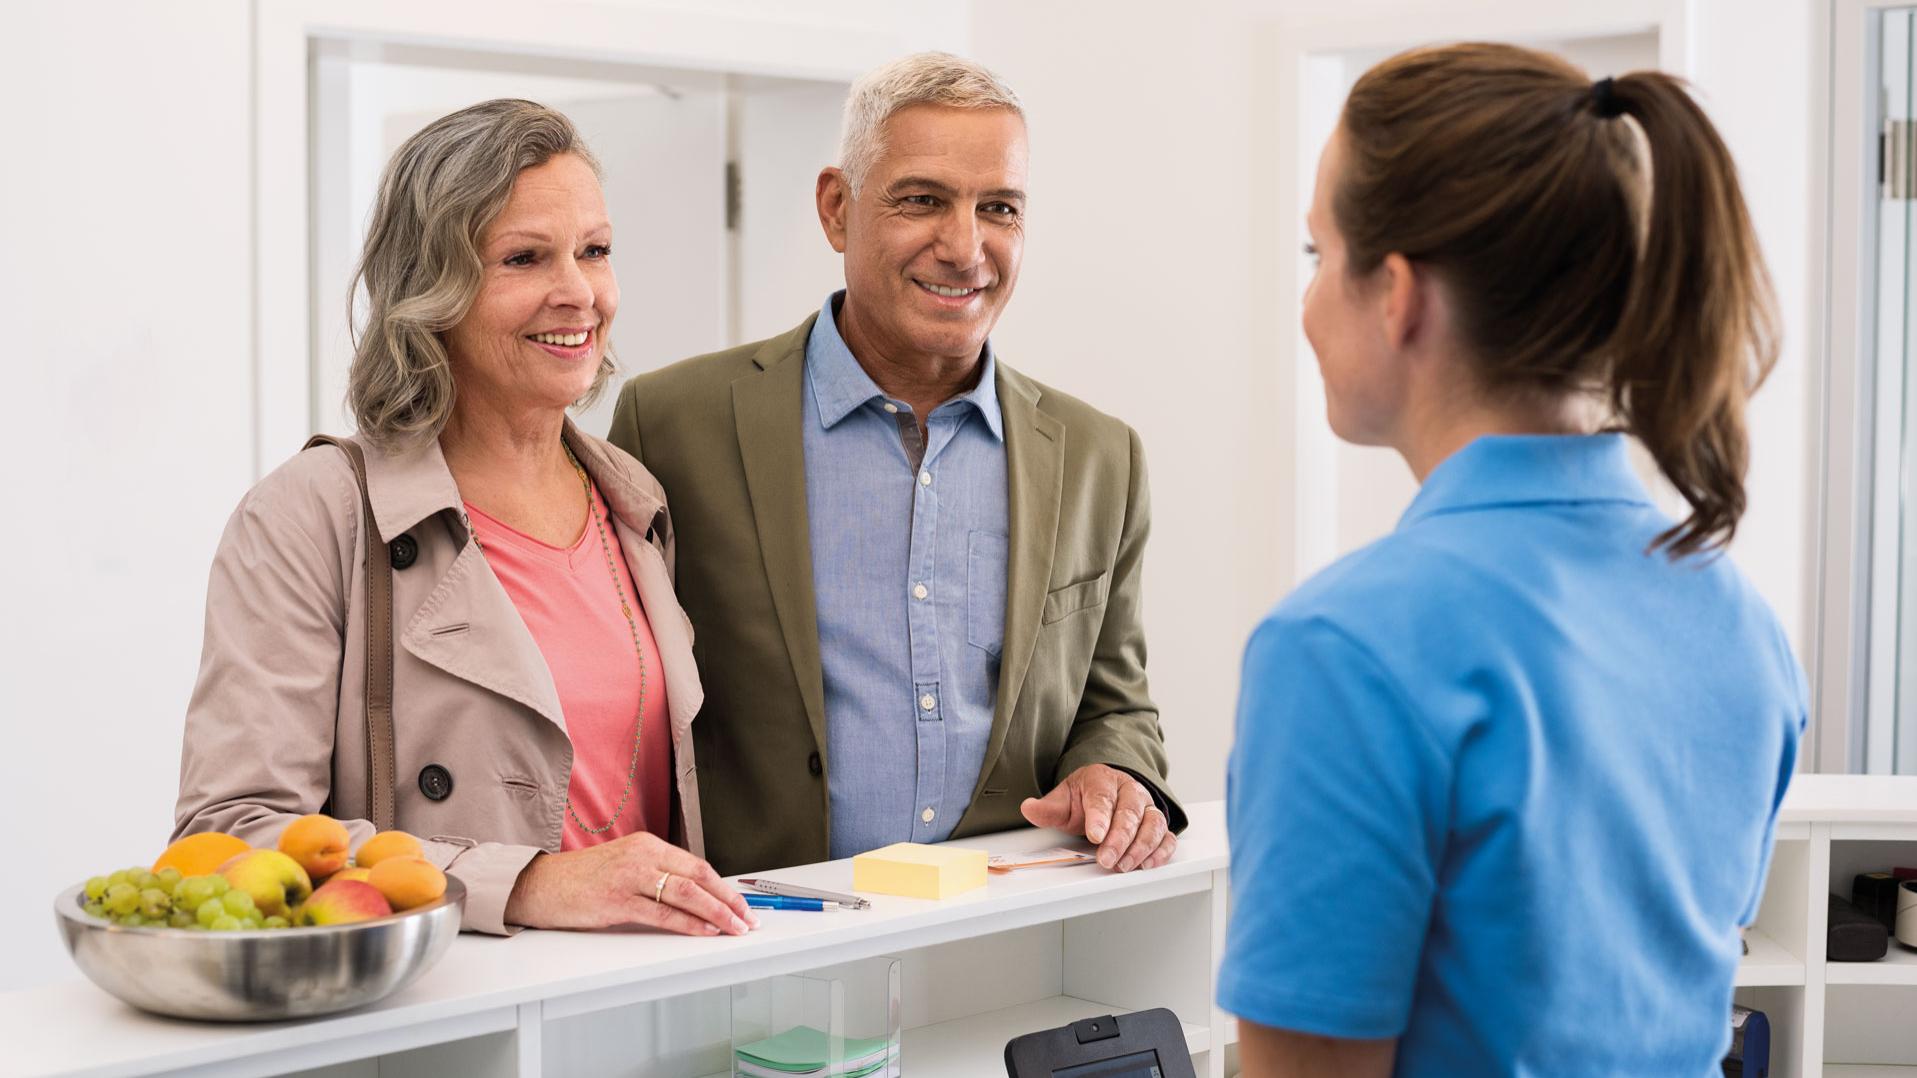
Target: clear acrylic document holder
[837,1022]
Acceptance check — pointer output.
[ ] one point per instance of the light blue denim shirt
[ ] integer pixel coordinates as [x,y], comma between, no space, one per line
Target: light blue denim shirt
[908,567]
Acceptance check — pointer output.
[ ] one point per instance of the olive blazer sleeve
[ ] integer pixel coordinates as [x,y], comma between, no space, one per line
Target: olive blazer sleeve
[1116,722]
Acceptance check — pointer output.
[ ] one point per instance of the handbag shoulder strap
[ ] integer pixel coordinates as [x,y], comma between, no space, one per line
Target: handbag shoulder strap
[380,779]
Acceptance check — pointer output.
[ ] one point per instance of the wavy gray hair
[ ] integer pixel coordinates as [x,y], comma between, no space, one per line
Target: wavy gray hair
[925,78]
[421,266]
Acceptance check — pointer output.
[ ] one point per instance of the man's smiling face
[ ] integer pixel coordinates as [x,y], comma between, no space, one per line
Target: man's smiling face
[933,239]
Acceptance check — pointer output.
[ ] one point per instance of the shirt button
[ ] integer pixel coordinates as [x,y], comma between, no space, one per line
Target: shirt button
[927,815]
[892,408]
[814,765]
[928,702]
[925,479]
[919,591]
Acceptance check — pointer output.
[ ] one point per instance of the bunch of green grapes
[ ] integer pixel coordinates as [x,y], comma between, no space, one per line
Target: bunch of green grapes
[136,897]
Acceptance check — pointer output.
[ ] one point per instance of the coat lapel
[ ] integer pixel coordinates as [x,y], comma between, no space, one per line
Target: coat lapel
[1034,482]
[469,628]
[765,407]
[468,625]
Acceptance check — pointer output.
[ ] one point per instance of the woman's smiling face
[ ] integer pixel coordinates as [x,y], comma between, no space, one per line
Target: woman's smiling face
[536,333]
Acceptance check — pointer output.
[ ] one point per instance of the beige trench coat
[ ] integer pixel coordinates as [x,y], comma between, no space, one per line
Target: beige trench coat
[276,727]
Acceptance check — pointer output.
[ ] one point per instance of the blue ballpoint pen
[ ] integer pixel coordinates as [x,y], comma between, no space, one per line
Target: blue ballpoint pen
[787,902]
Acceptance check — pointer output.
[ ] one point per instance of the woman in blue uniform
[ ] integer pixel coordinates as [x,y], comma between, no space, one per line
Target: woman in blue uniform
[1505,780]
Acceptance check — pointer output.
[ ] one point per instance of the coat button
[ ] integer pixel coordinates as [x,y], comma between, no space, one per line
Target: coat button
[813,765]
[405,551]
[435,782]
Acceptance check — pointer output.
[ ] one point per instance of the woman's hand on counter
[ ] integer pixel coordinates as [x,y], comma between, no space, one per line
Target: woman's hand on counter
[614,884]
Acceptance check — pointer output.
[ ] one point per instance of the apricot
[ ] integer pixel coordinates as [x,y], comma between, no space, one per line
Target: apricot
[201,854]
[318,842]
[352,872]
[408,881]
[387,844]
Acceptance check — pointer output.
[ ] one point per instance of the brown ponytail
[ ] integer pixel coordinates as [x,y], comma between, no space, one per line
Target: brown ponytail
[1573,262]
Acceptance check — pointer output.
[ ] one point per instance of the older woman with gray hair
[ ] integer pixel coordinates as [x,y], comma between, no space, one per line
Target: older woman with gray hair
[461,621]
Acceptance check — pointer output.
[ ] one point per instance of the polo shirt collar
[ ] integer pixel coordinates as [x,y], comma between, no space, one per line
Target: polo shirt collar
[840,385]
[1495,471]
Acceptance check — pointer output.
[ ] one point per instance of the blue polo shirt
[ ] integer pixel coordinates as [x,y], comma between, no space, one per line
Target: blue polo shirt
[1504,783]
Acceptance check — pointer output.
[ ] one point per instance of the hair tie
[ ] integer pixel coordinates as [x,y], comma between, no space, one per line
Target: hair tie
[1603,102]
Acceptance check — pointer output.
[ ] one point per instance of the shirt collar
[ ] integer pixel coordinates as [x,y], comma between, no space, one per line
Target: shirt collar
[1529,469]
[840,385]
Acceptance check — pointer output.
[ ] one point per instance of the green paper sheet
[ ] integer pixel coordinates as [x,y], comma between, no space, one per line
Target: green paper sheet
[802,1049]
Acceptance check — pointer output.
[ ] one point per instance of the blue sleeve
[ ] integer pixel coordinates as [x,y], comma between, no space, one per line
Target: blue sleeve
[1337,801]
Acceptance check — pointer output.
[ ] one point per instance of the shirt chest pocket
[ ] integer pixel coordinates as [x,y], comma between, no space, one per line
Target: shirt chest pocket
[985,569]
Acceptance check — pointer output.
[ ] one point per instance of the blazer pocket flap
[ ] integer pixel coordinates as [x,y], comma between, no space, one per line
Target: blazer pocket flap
[1072,598]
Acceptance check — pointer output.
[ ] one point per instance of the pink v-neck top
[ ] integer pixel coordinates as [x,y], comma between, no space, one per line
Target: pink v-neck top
[567,599]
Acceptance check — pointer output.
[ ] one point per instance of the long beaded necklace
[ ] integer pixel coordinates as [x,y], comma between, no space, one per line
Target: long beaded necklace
[632,623]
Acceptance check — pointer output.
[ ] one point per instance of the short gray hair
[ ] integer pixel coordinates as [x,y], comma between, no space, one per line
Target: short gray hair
[925,78]
[421,265]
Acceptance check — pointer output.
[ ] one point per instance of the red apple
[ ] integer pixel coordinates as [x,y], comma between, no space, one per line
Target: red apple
[342,902]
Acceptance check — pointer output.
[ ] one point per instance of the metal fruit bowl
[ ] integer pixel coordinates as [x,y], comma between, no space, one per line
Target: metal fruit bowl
[263,975]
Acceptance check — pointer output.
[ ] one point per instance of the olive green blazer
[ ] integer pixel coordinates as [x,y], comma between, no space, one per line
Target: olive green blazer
[721,433]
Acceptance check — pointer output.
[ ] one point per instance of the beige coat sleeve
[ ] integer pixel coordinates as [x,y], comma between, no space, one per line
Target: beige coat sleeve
[258,746]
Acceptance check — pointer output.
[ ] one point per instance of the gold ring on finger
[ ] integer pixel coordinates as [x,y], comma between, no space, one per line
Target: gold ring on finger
[659,892]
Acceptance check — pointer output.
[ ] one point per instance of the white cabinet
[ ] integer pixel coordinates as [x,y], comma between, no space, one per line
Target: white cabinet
[1850,1019]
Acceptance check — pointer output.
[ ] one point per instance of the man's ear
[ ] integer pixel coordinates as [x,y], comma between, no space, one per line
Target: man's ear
[1406,302]
[833,193]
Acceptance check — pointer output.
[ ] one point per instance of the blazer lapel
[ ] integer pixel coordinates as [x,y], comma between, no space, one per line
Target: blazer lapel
[1034,484]
[765,407]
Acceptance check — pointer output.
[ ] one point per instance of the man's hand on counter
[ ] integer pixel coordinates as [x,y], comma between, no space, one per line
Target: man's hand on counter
[1112,809]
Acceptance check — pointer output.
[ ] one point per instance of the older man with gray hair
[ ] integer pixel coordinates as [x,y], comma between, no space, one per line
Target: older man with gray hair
[913,571]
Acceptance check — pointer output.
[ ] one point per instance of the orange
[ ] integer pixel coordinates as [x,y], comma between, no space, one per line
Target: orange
[386,844]
[201,854]
[408,881]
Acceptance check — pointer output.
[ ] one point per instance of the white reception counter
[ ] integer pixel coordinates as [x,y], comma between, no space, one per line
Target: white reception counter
[1032,950]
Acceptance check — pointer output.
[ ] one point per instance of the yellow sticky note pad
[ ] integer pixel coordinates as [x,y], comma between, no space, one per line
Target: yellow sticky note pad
[915,870]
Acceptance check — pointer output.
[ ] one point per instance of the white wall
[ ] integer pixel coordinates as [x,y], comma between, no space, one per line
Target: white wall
[126,291]
[1150,288]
